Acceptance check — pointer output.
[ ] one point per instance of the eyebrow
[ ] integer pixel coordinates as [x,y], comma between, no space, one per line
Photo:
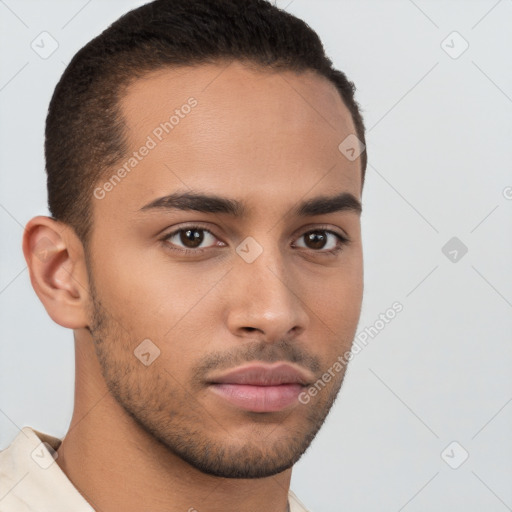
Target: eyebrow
[204,203]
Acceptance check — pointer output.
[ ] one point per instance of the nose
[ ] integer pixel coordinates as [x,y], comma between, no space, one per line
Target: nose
[265,300]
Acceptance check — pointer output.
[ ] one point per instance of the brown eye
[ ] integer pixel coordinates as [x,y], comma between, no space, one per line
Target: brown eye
[315,239]
[190,238]
[322,240]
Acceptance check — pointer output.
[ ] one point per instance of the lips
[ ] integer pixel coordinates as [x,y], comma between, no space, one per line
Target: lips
[261,387]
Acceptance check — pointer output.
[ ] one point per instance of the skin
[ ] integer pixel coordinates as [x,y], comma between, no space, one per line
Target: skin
[156,437]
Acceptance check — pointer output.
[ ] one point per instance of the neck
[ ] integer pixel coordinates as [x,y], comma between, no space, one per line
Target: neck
[117,465]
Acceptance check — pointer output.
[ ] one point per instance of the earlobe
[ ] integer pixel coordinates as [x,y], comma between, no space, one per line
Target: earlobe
[56,262]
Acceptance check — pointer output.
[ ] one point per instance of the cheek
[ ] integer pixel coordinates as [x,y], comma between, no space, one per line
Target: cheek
[179,310]
[338,295]
[152,295]
[335,309]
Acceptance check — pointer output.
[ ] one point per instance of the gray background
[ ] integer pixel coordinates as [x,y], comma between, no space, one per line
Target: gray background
[439,131]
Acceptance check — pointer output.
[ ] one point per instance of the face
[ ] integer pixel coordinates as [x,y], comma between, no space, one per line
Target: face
[225,263]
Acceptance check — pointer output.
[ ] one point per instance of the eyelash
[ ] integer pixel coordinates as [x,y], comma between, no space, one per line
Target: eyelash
[343,241]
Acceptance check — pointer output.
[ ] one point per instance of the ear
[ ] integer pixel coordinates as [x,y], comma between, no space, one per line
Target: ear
[56,262]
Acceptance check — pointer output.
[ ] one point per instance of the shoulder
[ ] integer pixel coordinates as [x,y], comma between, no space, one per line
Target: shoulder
[31,480]
[295,504]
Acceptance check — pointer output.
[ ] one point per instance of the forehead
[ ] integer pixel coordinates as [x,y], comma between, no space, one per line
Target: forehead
[244,85]
[232,126]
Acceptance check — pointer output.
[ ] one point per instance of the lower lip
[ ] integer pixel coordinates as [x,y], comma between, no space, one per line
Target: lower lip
[259,398]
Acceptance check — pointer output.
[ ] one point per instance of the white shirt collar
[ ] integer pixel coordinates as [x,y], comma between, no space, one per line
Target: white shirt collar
[30,479]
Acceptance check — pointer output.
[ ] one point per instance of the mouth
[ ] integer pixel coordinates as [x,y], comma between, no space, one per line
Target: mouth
[261,387]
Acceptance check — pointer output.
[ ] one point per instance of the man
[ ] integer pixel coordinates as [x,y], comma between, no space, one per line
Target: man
[205,167]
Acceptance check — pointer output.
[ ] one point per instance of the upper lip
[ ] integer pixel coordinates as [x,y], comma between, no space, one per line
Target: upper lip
[258,374]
